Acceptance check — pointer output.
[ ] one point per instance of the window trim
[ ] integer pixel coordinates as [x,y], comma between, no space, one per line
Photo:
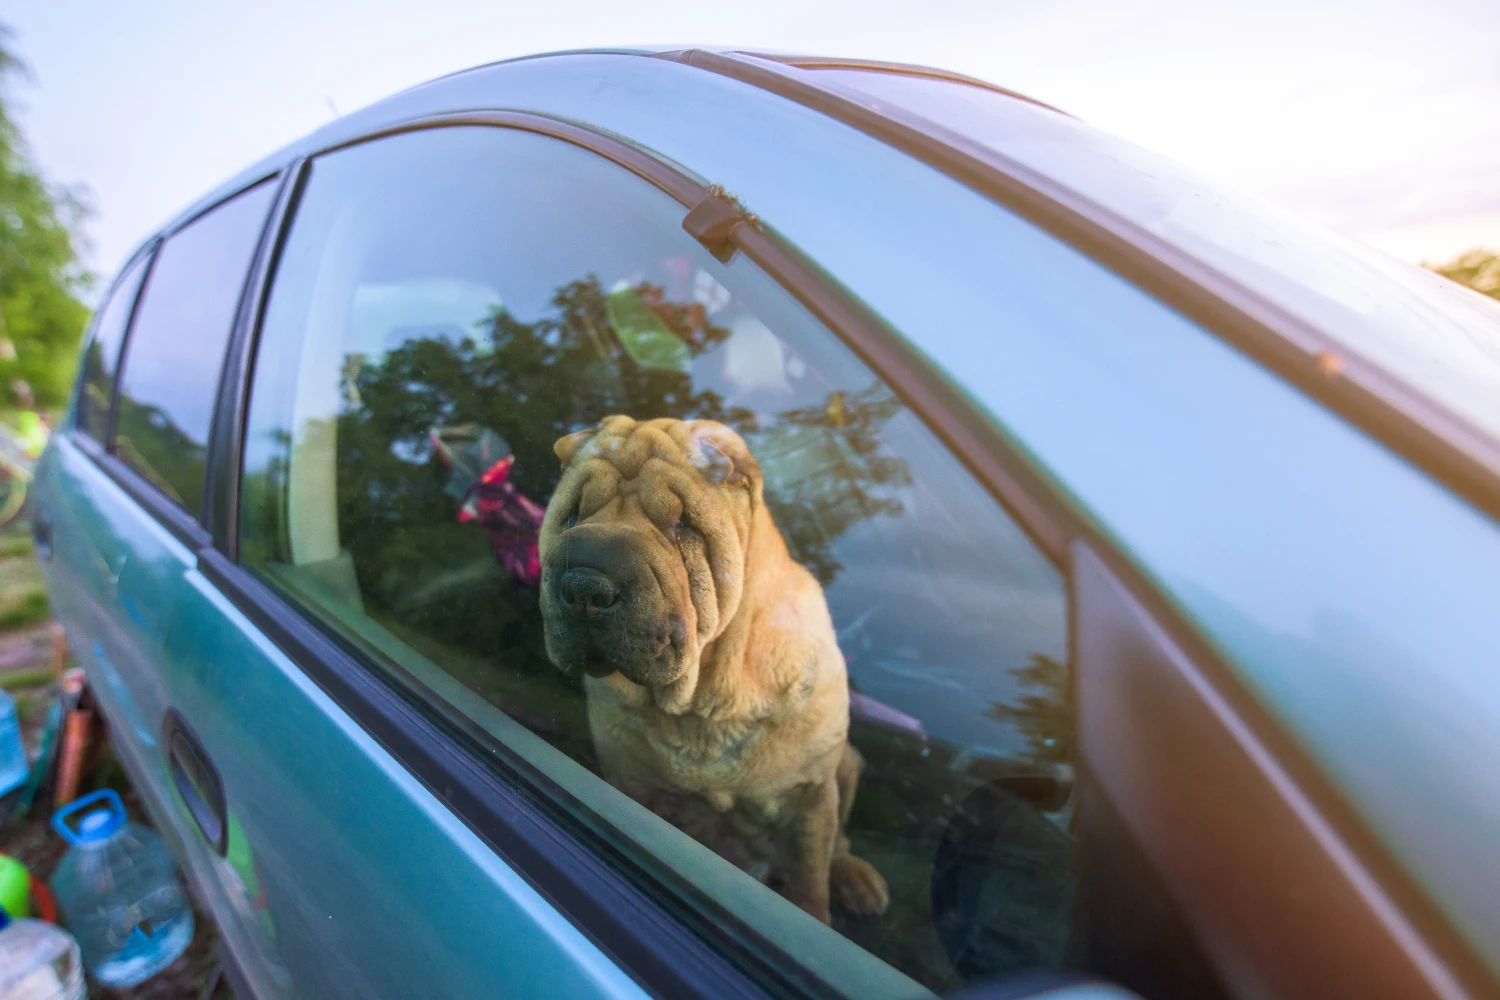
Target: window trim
[898,69]
[219,512]
[1421,430]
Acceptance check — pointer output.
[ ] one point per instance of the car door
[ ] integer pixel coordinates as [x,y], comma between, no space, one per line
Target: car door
[448,304]
[123,496]
[83,553]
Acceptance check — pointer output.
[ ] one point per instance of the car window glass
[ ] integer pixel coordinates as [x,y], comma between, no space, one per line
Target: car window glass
[524,445]
[173,359]
[96,385]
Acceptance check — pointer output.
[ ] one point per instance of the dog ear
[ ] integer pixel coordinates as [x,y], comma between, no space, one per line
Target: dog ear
[567,447]
[722,456]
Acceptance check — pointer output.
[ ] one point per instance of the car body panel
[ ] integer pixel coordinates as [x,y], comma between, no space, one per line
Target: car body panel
[96,526]
[345,877]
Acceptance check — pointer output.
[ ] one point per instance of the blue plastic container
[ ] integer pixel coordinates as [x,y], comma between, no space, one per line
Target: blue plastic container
[118,892]
[14,767]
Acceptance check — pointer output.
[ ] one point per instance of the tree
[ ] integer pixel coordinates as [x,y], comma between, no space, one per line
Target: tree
[1044,716]
[41,279]
[1478,268]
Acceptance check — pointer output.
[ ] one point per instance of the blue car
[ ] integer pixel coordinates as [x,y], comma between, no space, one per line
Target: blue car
[696,523]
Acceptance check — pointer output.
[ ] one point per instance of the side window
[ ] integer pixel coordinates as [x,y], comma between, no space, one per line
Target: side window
[169,375]
[526,446]
[96,384]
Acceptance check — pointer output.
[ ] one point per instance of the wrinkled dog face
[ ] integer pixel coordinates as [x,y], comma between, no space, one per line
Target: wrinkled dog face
[643,546]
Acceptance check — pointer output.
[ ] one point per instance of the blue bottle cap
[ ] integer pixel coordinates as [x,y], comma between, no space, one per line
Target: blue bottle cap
[95,824]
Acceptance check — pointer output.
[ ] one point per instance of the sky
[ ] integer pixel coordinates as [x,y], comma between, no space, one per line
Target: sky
[1377,118]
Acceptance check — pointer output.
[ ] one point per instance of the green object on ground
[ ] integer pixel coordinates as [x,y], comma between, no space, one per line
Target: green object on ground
[644,336]
[32,607]
[15,887]
[35,677]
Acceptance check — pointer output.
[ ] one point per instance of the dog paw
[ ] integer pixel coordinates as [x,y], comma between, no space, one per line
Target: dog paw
[819,910]
[857,887]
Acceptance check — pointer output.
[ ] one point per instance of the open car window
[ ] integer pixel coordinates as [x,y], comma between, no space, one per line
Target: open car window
[535,455]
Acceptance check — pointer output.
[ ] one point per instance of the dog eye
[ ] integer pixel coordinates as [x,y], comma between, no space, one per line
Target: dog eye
[683,526]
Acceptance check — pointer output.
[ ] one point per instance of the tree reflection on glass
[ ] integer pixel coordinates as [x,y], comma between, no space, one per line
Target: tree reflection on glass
[600,352]
[1043,717]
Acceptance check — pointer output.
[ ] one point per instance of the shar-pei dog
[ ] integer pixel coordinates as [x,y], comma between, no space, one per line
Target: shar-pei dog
[717,695]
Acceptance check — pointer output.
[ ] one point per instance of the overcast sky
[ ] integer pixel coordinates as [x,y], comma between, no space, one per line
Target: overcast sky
[1378,118]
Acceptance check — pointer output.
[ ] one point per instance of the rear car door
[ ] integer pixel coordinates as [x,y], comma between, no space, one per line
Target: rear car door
[123,494]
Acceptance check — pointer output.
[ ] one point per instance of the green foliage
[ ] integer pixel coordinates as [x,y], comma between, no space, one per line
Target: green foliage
[436,583]
[41,279]
[28,608]
[1479,269]
[17,543]
[161,451]
[1044,717]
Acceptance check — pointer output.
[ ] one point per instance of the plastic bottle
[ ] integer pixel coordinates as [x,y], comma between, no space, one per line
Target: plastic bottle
[38,962]
[14,766]
[118,892]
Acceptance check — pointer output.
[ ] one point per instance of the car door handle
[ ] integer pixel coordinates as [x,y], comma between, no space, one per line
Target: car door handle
[197,781]
[41,533]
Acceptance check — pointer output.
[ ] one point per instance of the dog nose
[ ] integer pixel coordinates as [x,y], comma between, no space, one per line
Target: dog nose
[587,590]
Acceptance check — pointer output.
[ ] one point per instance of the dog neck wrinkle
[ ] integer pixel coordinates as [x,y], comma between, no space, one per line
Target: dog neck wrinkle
[728,684]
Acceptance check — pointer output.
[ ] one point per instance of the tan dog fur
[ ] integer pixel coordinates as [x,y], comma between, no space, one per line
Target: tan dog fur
[741,699]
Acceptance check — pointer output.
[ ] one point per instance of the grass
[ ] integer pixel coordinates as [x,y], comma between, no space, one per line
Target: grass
[22,679]
[15,544]
[23,599]
[27,607]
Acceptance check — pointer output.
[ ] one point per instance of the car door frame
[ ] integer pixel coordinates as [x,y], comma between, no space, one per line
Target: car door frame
[644,932]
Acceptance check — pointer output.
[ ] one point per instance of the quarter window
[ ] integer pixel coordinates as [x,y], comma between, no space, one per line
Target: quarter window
[634,513]
[96,385]
[170,373]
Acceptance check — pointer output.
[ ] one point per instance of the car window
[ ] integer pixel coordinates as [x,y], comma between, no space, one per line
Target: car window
[96,385]
[531,451]
[173,359]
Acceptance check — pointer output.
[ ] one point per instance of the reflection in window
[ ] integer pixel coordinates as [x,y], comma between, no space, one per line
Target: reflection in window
[173,360]
[96,386]
[426,473]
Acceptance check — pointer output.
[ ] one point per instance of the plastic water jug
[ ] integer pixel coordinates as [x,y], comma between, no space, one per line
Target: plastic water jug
[14,767]
[118,892]
[38,962]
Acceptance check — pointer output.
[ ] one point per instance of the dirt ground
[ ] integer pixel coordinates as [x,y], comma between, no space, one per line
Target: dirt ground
[26,653]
